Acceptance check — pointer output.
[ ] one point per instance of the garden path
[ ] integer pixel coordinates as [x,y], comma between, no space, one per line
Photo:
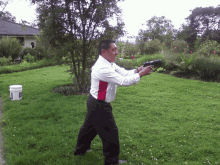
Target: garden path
[1,139]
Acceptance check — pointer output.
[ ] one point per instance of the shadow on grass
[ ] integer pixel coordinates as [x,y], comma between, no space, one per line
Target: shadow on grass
[91,158]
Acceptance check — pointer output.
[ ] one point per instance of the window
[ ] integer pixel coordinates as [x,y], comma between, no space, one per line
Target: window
[21,39]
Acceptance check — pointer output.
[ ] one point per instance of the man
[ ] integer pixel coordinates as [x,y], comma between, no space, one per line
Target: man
[105,77]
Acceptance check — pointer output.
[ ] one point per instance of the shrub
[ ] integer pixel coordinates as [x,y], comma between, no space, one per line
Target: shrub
[146,58]
[208,68]
[131,64]
[130,49]
[5,61]
[29,58]
[208,47]
[152,47]
[43,47]
[179,61]
[178,46]
[127,64]
[27,50]
[37,52]
[40,53]
[10,47]
[187,61]
[24,65]
[171,60]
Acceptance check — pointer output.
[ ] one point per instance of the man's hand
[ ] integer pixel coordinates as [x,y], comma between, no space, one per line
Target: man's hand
[145,71]
[139,69]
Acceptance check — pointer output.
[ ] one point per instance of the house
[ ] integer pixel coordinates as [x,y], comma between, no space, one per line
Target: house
[22,32]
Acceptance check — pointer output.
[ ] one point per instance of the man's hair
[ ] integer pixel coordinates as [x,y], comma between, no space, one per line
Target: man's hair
[105,44]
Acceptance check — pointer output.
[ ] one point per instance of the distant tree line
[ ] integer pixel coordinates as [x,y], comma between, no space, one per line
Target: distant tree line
[201,24]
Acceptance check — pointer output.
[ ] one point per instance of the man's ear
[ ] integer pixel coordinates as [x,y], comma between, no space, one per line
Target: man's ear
[103,51]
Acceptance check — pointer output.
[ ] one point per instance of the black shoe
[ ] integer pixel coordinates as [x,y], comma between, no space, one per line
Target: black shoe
[121,162]
[79,154]
[89,150]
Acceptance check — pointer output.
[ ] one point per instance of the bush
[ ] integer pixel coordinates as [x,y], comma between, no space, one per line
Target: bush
[180,61]
[43,47]
[130,49]
[187,62]
[5,61]
[27,66]
[171,60]
[27,50]
[152,47]
[10,47]
[41,53]
[208,68]
[29,58]
[131,64]
[127,64]
[147,58]
[208,47]
[178,46]
[37,52]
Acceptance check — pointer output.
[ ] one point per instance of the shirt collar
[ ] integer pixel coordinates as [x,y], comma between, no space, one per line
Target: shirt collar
[105,61]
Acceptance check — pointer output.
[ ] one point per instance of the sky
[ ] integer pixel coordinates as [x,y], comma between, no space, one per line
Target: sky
[135,12]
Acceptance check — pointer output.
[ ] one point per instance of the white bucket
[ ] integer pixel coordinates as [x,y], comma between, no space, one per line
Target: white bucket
[15,92]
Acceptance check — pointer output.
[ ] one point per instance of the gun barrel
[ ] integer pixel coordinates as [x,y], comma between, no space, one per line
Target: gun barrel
[155,62]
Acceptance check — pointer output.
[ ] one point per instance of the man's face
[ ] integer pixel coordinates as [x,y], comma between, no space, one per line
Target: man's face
[112,52]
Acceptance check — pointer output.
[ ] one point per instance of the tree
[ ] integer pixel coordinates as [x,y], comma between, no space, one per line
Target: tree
[140,42]
[130,49]
[152,47]
[157,28]
[204,22]
[3,4]
[74,27]
[5,15]
[188,33]
[182,32]
[120,46]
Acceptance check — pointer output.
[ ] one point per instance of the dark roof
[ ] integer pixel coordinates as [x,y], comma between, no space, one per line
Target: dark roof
[11,28]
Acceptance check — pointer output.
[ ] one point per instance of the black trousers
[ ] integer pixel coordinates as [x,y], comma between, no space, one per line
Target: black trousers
[99,120]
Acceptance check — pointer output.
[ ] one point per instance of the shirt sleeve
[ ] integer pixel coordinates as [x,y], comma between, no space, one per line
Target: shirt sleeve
[122,71]
[111,76]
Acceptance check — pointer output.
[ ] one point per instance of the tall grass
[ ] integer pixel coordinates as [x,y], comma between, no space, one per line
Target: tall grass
[161,120]
[207,67]
[27,66]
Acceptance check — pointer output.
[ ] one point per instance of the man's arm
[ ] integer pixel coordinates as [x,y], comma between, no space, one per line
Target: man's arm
[111,76]
[123,71]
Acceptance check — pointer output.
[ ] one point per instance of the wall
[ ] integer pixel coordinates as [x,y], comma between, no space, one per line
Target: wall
[28,40]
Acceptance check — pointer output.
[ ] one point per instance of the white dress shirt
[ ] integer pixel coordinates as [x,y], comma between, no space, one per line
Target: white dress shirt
[106,76]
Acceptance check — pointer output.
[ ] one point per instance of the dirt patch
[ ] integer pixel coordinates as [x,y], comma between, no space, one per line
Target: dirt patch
[1,138]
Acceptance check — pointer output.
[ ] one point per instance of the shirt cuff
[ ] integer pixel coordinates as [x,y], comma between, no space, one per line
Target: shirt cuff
[135,71]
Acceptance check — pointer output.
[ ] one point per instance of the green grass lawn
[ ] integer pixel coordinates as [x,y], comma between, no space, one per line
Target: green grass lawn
[161,120]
